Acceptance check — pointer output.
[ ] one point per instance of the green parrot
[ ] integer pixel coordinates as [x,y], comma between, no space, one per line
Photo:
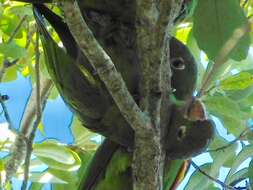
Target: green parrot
[87,96]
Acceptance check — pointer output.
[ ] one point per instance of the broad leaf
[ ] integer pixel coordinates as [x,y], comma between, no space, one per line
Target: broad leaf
[57,156]
[238,176]
[215,22]
[12,50]
[245,153]
[198,179]
[239,81]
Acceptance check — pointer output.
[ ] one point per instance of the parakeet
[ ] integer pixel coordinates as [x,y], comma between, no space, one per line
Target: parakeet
[83,93]
[86,95]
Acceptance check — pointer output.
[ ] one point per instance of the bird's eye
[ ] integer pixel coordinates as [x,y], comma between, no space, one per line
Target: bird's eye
[181,132]
[178,63]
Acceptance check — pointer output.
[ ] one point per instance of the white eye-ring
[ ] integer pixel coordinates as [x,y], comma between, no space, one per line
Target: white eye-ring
[178,63]
[181,132]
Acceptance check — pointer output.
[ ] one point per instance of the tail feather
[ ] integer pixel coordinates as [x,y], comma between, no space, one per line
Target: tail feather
[99,163]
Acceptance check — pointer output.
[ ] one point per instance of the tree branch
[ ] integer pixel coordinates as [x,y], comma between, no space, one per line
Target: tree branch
[38,115]
[103,65]
[153,24]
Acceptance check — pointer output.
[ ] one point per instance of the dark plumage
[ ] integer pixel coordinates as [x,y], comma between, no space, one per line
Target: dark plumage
[86,95]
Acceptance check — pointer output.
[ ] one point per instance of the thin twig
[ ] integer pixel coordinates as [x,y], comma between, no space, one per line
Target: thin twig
[17,29]
[225,186]
[27,131]
[38,113]
[243,134]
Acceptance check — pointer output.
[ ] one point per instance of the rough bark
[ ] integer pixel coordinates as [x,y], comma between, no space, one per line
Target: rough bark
[153,22]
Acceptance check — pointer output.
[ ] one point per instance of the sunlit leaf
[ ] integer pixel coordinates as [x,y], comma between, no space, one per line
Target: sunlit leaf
[8,24]
[25,72]
[182,33]
[69,177]
[20,10]
[44,177]
[2,165]
[57,156]
[239,81]
[10,74]
[41,128]
[221,105]
[12,50]
[82,136]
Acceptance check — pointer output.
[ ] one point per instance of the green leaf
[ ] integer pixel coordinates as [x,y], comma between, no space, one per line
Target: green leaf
[197,179]
[214,24]
[63,186]
[10,74]
[229,152]
[82,136]
[238,95]
[2,167]
[221,105]
[240,85]
[43,177]
[36,163]
[36,186]
[234,125]
[250,173]
[8,23]
[239,81]
[41,129]
[57,156]
[219,159]
[69,177]
[20,10]
[212,187]
[12,50]
[244,154]
[238,176]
